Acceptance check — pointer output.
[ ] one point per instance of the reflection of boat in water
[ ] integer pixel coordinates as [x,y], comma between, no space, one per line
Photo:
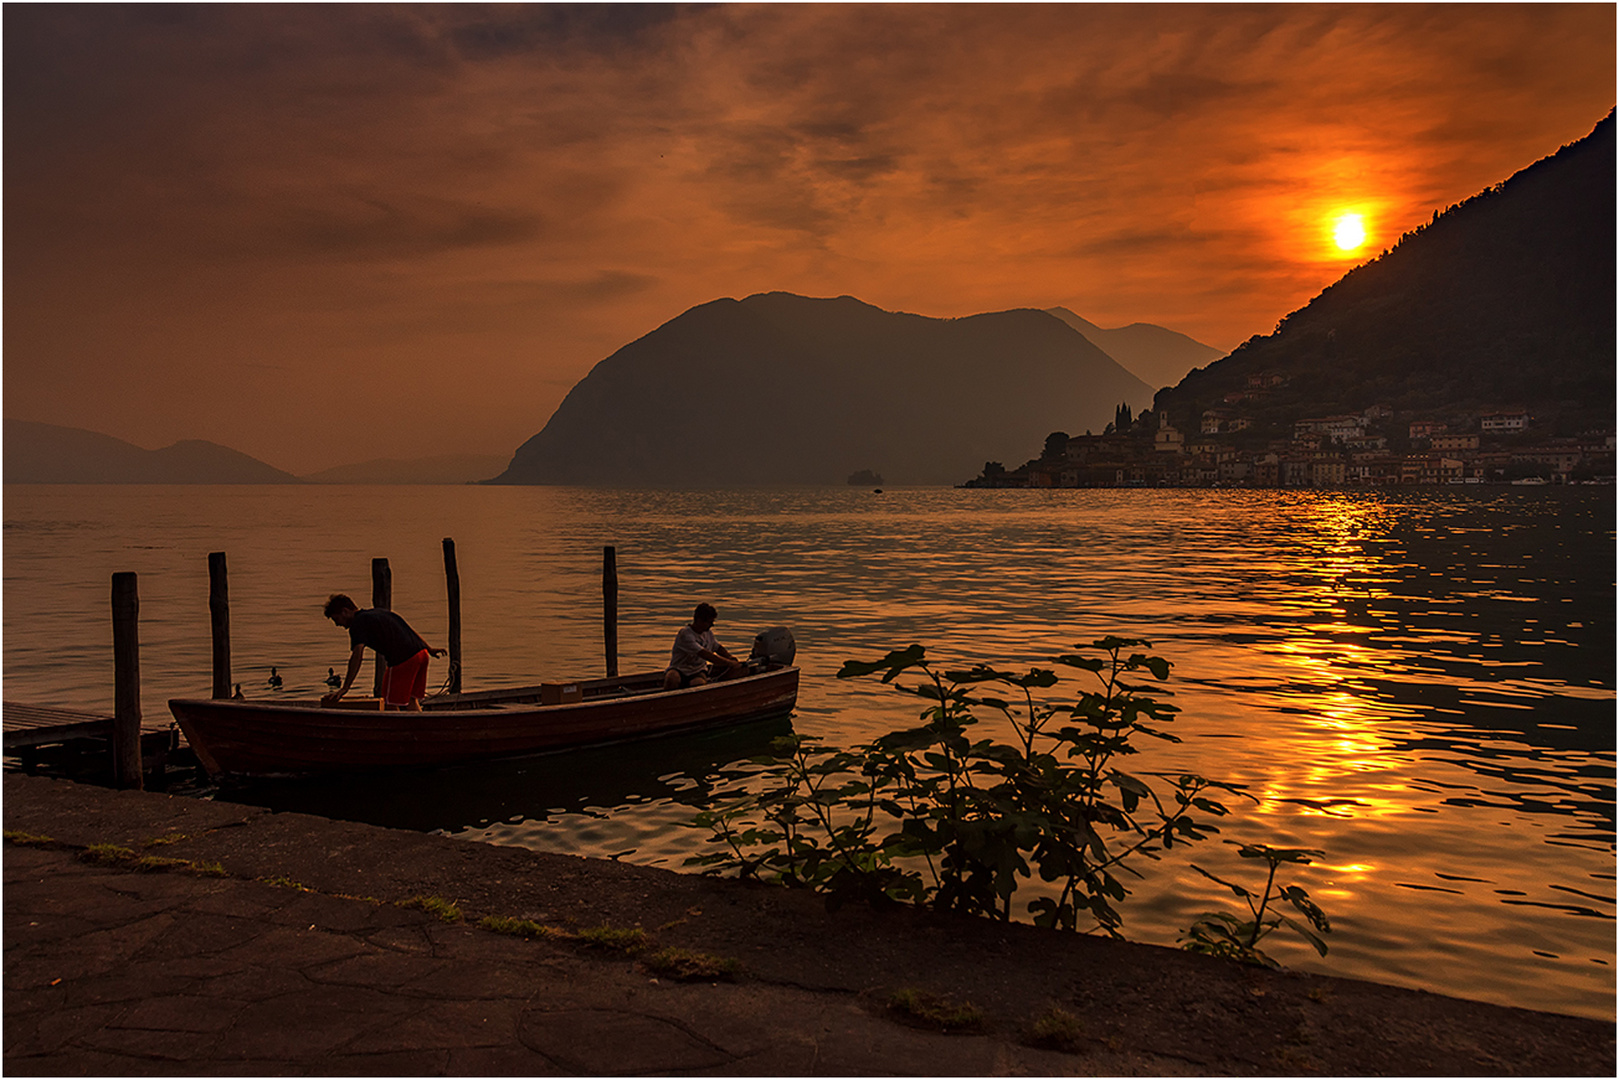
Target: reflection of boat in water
[249,738]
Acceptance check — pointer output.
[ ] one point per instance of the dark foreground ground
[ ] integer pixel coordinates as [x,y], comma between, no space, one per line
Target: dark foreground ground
[300,959]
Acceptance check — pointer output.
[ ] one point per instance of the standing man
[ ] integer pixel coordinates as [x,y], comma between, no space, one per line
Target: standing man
[697,657]
[404,682]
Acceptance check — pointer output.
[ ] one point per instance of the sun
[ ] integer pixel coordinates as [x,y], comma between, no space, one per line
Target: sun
[1349,231]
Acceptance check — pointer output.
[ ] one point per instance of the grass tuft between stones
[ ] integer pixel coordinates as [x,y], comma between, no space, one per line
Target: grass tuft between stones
[1056,1029]
[523,928]
[106,854]
[935,1011]
[436,906]
[683,965]
[629,940]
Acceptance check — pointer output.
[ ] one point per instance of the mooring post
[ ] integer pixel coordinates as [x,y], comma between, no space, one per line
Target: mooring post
[610,609]
[452,585]
[382,596]
[126,678]
[219,616]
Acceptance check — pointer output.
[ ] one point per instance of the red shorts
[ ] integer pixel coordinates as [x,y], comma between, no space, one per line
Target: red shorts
[405,681]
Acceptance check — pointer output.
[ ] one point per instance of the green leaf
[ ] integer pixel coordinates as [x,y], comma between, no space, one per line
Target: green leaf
[1115,644]
[1126,782]
[1236,890]
[1279,855]
[1301,900]
[892,664]
[1308,935]
[1155,664]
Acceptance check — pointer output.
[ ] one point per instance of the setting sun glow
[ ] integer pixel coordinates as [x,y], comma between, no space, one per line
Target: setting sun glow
[1349,231]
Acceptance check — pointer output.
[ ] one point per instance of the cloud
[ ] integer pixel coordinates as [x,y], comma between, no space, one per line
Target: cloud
[357,226]
[339,188]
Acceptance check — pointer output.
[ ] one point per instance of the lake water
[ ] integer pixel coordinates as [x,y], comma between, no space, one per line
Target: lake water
[1420,683]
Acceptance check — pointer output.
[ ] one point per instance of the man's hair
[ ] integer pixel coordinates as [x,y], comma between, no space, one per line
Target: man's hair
[338,602]
[704,611]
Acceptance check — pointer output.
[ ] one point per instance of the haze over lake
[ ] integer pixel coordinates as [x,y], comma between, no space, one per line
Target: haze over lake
[1419,683]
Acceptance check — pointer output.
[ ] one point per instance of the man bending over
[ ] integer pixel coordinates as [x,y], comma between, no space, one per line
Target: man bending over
[404,681]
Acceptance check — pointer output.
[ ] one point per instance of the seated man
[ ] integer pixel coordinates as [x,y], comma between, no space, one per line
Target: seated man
[697,657]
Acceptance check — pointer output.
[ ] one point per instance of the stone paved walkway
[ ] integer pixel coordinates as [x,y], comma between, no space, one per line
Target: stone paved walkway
[300,960]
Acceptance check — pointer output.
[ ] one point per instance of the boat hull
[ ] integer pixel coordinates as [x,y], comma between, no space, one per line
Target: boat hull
[250,738]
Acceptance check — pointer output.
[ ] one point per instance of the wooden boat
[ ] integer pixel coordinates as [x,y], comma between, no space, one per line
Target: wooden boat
[259,738]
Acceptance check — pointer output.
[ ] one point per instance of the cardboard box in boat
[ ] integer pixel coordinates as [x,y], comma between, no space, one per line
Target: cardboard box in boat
[560,693]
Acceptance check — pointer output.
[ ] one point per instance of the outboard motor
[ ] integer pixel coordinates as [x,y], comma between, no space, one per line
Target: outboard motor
[775,647]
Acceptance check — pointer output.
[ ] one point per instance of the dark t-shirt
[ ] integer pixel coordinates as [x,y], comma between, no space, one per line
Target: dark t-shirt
[387,633]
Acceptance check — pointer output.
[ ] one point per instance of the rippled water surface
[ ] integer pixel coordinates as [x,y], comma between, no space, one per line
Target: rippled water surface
[1419,683]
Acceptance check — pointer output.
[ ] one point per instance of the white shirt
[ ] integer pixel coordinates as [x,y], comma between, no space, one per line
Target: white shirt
[686,657]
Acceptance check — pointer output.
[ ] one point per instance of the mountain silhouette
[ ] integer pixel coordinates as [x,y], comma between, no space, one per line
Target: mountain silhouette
[1155,355]
[440,469]
[47,454]
[1504,300]
[779,388]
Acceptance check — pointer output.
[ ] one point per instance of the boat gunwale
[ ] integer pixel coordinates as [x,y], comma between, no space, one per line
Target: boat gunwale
[489,704]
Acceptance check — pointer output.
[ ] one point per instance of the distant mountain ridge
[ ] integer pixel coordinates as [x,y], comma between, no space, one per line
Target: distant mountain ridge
[1504,300]
[441,469]
[49,454]
[778,388]
[1157,356]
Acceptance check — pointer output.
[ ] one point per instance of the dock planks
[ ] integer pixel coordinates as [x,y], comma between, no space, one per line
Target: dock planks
[41,725]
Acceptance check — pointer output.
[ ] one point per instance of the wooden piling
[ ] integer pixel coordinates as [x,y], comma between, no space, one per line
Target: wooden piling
[382,593]
[452,585]
[126,695]
[610,609]
[219,616]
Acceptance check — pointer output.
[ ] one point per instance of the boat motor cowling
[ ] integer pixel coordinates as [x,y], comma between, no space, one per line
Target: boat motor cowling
[776,646]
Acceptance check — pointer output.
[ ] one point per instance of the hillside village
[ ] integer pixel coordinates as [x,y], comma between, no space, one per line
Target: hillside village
[1374,448]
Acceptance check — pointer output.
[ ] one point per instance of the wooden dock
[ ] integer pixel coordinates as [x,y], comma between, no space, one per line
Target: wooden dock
[43,725]
[75,740]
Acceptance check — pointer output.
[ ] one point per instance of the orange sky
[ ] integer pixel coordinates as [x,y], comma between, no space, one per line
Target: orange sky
[322,234]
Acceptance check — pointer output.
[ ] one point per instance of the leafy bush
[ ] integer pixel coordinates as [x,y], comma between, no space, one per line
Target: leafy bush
[1219,933]
[945,816]
[941,816]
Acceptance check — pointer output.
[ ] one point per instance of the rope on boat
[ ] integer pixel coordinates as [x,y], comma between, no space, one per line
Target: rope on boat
[454,669]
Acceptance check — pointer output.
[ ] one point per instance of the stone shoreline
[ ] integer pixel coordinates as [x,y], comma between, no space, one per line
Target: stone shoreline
[272,943]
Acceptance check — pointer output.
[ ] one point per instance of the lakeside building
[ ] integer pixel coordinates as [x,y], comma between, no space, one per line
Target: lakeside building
[1324,452]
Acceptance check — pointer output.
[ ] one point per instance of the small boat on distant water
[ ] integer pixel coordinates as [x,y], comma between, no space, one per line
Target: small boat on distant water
[233,737]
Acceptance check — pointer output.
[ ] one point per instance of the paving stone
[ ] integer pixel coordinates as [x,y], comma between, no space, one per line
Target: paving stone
[445,1026]
[50,1032]
[139,983]
[181,1012]
[256,982]
[74,1061]
[383,970]
[617,1041]
[153,1046]
[503,1061]
[394,1063]
[304,948]
[306,1026]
